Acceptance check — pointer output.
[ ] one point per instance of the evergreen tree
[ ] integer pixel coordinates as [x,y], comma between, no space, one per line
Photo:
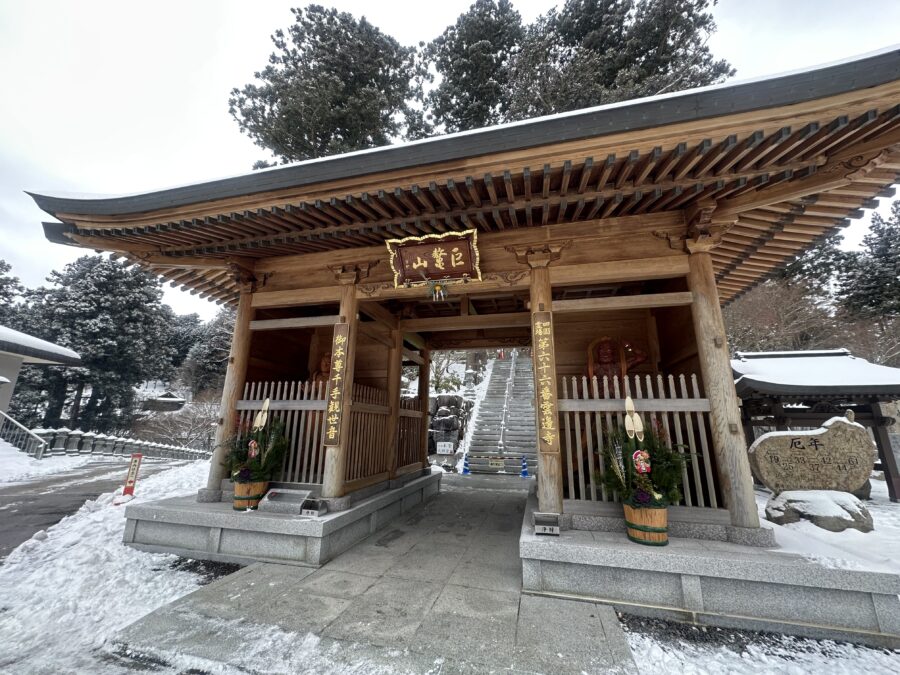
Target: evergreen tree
[593,52]
[819,266]
[206,362]
[472,57]
[186,330]
[111,314]
[334,84]
[869,283]
[10,291]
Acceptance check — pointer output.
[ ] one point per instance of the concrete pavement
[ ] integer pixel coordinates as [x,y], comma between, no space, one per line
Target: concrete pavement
[437,591]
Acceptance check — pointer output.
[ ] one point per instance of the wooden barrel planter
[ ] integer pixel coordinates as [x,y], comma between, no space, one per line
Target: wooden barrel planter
[647,525]
[247,495]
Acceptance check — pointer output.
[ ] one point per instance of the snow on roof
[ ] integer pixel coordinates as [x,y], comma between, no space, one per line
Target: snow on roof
[35,350]
[832,372]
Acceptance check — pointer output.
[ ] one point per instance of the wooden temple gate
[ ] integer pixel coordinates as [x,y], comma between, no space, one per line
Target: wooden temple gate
[654,209]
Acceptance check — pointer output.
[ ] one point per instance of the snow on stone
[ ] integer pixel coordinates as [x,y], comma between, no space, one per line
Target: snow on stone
[825,503]
[17,467]
[67,590]
[15,338]
[876,551]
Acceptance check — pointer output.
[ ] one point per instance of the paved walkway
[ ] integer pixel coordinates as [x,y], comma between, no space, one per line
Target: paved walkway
[437,591]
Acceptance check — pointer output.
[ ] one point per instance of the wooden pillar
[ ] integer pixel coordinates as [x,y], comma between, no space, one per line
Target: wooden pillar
[888,445]
[235,376]
[424,403]
[335,473]
[725,415]
[549,481]
[395,368]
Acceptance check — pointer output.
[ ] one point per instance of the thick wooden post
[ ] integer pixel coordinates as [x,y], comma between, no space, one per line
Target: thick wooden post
[549,480]
[424,403]
[335,473]
[235,376]
[724,415]
[888,445]
[395,368]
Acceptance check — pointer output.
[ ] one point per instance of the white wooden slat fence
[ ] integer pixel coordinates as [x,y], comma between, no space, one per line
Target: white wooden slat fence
[589,409]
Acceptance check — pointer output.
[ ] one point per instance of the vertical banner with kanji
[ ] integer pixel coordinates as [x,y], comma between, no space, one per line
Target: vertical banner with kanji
[133,469]
[334,409]
[545,380]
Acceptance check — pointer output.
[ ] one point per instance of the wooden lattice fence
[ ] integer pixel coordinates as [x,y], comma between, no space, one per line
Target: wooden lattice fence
[589,409]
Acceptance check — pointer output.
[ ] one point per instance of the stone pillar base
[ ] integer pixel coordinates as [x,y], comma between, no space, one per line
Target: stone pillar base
[207,495]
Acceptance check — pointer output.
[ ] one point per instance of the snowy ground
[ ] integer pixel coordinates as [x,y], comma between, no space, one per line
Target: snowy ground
[17,467]
[65,591]
[877,551]
[662,647]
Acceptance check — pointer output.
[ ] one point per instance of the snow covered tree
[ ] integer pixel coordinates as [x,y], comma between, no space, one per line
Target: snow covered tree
[592,52]
[870,282]
[10,291]
[206,362]
[111,314]
[334,84]
[472,58]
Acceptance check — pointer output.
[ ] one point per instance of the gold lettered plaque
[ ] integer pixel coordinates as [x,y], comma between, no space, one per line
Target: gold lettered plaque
[542,348]
[334,398]
[450,256]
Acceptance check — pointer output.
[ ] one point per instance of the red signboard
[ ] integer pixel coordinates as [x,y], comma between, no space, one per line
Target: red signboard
[450,256]
[131,479]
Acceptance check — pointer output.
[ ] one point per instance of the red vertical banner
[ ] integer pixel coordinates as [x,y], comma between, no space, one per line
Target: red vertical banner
[131,479]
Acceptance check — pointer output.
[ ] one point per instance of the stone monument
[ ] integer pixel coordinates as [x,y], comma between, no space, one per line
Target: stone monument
[812,474]
[838,456]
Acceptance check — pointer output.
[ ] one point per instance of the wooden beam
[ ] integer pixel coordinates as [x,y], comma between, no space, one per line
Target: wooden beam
[415,340]
[640,269]
[379,313]
[295,322]
[409,355]
[472,322]
[623,302]
[296,297]
[369,330]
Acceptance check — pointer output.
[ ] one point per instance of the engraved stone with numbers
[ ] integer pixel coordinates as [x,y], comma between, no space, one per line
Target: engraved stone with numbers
[838,456]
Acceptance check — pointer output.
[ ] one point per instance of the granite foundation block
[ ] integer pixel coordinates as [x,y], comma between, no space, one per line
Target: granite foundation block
[711,582]
[215,531]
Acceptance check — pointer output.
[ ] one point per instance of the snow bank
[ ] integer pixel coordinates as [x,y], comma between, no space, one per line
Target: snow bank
[17,467]
[774,656]
[876,551]
[66,590]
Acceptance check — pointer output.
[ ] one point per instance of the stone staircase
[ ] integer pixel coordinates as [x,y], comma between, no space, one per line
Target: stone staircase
[485,452]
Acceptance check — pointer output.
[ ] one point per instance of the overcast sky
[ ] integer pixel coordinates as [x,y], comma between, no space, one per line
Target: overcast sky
[107,97]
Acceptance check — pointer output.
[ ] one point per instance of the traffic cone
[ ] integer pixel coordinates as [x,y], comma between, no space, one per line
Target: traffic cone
[524,473]
[466,470]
